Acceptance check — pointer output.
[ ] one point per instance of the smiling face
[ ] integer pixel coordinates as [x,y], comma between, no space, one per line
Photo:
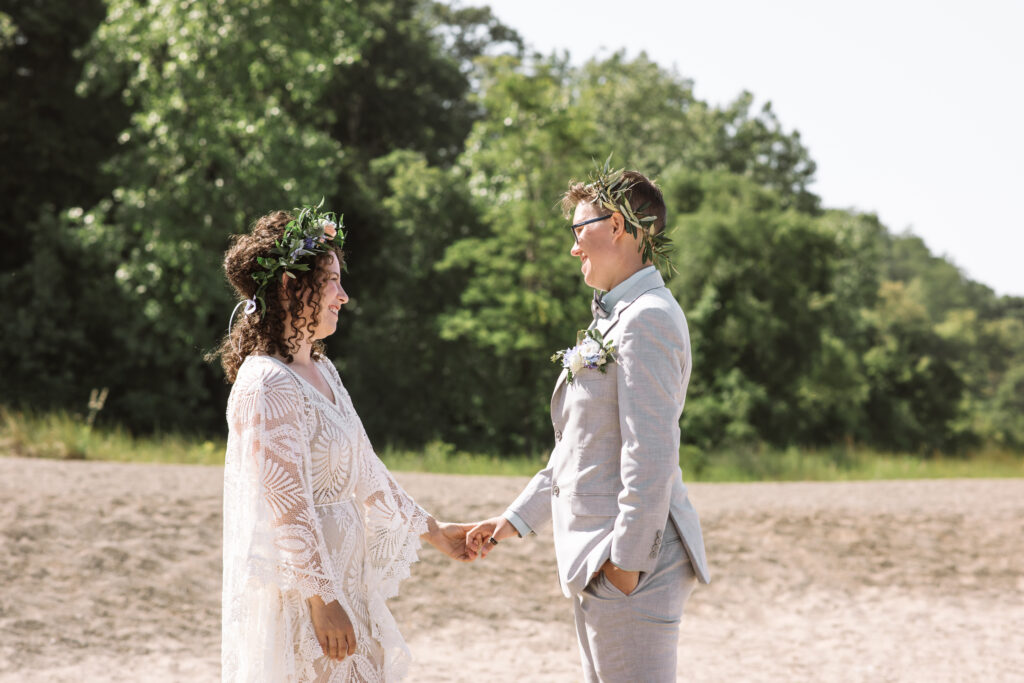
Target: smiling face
[315,300]
[595,246]
[332,298]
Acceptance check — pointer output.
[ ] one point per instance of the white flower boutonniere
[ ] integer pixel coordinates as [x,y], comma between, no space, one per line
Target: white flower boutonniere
[591,352]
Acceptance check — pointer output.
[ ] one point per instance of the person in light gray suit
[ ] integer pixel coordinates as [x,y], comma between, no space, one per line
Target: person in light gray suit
[628,541]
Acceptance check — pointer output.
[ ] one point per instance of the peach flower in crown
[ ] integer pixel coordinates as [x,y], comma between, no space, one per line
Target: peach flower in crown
[330,229]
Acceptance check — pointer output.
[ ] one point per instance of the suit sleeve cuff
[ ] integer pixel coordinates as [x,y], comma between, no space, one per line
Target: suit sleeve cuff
[522,527]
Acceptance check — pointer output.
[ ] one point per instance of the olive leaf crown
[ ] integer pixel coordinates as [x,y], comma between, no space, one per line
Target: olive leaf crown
[310,233]
[611,187]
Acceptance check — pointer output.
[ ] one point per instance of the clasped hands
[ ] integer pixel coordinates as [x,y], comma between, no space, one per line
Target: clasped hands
[467,542]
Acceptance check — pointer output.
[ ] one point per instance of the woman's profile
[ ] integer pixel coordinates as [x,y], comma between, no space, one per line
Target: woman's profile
[317,533]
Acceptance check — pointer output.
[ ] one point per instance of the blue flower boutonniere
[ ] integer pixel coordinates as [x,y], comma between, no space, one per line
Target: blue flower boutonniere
[591,352]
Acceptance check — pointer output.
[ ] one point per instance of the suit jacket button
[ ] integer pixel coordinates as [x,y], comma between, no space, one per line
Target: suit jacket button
[658,534]
[554,489]
[558,435]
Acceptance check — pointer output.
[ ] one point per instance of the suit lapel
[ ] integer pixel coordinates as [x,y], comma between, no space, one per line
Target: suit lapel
[557,396]
[651,281]
[560,382]
[605,324]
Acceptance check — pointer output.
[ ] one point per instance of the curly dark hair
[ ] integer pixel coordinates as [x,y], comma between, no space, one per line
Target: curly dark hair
[265,332]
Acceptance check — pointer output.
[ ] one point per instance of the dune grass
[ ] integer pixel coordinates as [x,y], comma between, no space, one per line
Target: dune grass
[64,436]
[67,437]
[842,463]
[444,458]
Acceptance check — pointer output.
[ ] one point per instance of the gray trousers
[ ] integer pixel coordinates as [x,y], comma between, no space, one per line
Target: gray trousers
[633,638]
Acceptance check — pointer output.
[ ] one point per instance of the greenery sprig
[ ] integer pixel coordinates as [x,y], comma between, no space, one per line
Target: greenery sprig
[311,232]
[611,187]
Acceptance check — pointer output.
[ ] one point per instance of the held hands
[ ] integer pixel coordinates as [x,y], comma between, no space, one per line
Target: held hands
[467,542]
[478,538]
[333,628]
[450,539]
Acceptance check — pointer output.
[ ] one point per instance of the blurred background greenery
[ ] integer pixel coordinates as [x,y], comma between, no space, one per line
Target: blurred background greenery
[137,136]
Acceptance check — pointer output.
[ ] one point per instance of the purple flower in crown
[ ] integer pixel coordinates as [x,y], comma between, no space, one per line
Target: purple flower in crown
[306,248]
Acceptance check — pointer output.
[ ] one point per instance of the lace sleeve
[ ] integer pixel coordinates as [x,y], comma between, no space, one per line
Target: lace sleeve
[394,522]
[286,546]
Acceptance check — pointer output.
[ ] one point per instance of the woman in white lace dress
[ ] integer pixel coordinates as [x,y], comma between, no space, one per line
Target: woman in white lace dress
[317,534]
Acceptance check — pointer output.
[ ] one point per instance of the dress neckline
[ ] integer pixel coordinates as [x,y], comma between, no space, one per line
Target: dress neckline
[333,401]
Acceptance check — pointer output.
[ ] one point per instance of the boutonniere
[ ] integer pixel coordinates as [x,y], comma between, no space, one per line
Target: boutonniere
[591,352]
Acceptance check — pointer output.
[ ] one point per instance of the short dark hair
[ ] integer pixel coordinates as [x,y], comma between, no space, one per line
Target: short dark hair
[641,192]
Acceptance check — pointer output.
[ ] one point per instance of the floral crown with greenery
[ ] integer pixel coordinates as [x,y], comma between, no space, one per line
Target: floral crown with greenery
[611,187]
[310,233]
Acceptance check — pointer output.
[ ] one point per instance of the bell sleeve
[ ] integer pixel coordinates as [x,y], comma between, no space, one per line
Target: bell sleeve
[394,521]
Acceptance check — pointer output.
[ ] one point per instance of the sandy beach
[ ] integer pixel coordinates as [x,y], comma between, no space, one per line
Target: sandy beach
[111,572]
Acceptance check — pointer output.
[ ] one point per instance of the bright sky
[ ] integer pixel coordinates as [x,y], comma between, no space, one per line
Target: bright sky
[912,109]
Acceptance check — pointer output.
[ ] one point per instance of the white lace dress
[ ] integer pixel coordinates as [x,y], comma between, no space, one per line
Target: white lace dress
[309,509]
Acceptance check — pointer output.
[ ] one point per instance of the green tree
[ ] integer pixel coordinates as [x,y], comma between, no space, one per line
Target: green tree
[62,323]
[650,118]
[980,340]
[409,89]
[52,152]
[988,356]
[916,391]
[242,108]
[447,151]
[226,128]
[392,340]
[402,113]
[834,392]
[524,297]
[941,285]
[757,282]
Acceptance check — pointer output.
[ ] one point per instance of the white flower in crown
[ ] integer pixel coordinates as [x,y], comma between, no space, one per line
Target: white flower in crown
[591,352]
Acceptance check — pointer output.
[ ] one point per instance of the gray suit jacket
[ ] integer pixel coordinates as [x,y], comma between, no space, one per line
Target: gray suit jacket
[613,479]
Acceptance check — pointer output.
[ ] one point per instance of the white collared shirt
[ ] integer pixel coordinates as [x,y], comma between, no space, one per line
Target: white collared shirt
[613,297]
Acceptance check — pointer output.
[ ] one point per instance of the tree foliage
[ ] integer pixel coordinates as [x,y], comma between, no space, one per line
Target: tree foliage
[140,136]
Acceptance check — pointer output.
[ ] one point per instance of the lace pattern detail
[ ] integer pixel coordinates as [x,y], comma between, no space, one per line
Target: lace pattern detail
[309,509]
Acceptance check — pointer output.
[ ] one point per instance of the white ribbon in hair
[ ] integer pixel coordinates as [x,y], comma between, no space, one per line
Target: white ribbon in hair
[250,307]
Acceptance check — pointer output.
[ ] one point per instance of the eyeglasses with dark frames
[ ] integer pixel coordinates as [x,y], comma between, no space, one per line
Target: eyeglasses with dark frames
[576,226]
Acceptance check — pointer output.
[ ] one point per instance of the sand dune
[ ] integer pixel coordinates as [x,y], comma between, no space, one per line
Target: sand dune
[111,572]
